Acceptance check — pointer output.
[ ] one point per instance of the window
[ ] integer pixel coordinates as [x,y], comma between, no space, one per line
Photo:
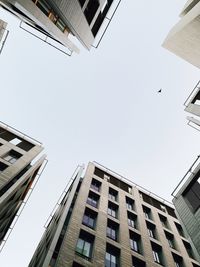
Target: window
[132,220]
[170,239]
[151,229]
[163,220]
[91,10]
[84,244]
[112,194]
[157,253]
[192,195]
[93,199]
[178,261]
[2,166]
[76,264]
[137,262]
[179,228]
[12,156]
[129,203]
[189,249]
[112,256]
[112,230]
[112,209]
[96,185]
[147,212]
[89,218]
[135,242]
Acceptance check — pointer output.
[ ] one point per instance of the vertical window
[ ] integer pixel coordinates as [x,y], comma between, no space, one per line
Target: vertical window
[93,199]
[137,262]
[84,244]
[132,219]
[89,218]
[91,10]
[112,194]
[112,230]
[129,203]
[76,264]
[135,242]
[189,249]
[12,156]
[15,141]
[112,209]
[170,239]
[178,261]
[163,221]
[147,212]
[151,229]
[179,229]
[2,166]
[157,253]
[112,256]
[96,185]
[192,195]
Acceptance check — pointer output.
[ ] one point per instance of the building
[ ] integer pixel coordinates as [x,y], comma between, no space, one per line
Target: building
[184,39]
[192,106]
[103,219]
[59,19]
[187,203]
[3,34]
[20,168]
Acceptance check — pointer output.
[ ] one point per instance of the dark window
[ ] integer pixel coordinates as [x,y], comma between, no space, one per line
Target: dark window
[91,10]
[43,6]
[84,244]
[195,265]
[76,264]
[163,220]
[93,199]
[132,219]
[112,209]
[129,203]
[96,185]
[137,262]
[178,261]
[157,253]
[135,242]
[112,256]
[147,212]
[151,229]
[112,230]
[89,218]
[170,239]
[179,228]
[12,156]
[189,249]
[82,2]
[192,195]
[3,166]
[112,194]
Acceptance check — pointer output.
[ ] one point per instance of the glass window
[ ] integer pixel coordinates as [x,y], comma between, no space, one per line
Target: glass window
[112,194]
[91,10]
[112,230]
[157,253]
[2,166]
[178,261]
[189,249]
[192,195]
[93,199]
[163,221]
[112,210]
[170,239]
[84,244]
[96,185]
[129,203]
[132,220]
[112,256]
[89,218]
[137,262]
[12,156]
[147,212]
[135,242]
[151,229]
[179,229]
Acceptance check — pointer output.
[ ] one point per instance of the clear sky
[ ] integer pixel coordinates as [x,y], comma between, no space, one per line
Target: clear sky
[100,105]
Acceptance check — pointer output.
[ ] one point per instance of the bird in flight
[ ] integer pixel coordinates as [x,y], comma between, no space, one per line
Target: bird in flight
[159,91]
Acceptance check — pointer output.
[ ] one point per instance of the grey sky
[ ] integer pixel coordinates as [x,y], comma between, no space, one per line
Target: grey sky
[101,106]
